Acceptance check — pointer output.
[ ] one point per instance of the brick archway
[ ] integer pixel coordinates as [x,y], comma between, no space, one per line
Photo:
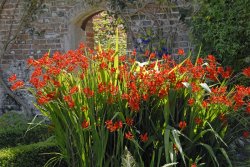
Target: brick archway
[80,28]
[87,26]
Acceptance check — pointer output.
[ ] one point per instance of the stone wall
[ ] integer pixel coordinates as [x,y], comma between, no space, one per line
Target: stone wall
[165,23]
[58,27]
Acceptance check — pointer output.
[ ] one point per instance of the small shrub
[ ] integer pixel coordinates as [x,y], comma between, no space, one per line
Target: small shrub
[14,137]
[13,120]
[27,155]
[13,131]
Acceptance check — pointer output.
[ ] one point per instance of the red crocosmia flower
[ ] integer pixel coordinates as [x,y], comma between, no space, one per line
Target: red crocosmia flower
[56,83]
[226,74]
[129,121]
[113,127]
[132,61]
[82,75]
[118,125]
[129,136]
[46,77]
[85,124]
[113,89]
[163,93]
[39,93]
[70,101]
[145,97]
[88,92]
[81,46]
[240,94]
[30,61]
[134,103]
[132,85]
[103,65]
[191,101]
[91,51]
[108,123]
[211,73]
[43,100]
[204,104]
[74,90]
[70,68]
[189,65]
[200,61]
[34,81]
[54,71]
[12,78]
[164,57]
[41,84]
[179,85]
[51,95]
[134,52]
[211,58]
[172,77]
[122,58]
[181,52]
[220,70]
[71,104]
[198,121]
[152,55]
[195,88]
[144,137]
[113,70]
[245,134]
[101,88]
[246,72]
[17,85]
[193,165]
[146,53]
[182,124]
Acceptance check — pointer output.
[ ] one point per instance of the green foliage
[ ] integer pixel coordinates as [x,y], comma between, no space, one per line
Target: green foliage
[239,149]
[27,155]
[13,131]
[12,120]
[105,25]
[16,137]
[222,27]
[165,113]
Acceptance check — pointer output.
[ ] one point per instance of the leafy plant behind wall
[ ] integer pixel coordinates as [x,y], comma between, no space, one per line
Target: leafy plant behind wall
[222,28]
[105,25]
